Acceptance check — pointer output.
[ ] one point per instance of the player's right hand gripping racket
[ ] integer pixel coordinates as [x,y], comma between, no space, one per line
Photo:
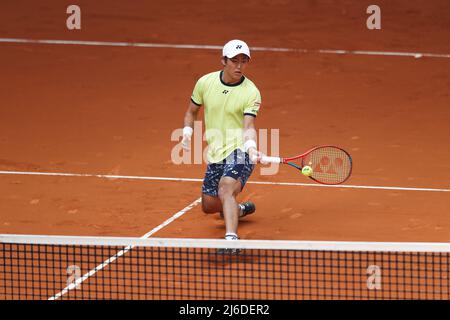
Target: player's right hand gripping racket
[329,164]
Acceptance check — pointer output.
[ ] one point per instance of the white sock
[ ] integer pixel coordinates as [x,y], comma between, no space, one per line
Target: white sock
[231,236]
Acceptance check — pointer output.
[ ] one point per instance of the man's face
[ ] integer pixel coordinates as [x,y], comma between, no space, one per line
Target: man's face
[235,67]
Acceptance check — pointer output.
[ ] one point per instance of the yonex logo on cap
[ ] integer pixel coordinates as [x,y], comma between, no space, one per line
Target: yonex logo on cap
[234,47]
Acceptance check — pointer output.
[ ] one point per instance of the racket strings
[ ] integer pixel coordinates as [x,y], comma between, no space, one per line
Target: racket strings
[330,165]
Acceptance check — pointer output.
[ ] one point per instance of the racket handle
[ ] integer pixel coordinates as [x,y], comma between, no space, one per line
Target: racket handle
[271,159]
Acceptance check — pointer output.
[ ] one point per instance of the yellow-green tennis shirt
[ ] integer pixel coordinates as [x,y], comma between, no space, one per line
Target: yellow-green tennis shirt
[225,106]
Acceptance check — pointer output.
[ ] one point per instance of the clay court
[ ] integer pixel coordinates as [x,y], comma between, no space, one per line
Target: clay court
[109,109]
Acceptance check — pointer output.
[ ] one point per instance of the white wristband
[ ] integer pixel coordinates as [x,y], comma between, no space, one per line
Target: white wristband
[249,144]
[187,131]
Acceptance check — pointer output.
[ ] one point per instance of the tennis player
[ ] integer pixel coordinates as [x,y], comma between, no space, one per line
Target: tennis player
[231,103]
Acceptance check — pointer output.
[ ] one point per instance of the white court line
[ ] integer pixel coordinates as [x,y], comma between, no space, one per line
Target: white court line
[215,47]
[101,266]
[316,185]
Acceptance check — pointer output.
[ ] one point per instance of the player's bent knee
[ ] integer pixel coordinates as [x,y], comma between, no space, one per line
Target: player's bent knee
[229,189]
[225,192]
[210,205]
[207,208]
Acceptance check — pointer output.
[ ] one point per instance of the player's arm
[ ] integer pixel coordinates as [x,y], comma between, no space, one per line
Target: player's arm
[250,137]
[189,118]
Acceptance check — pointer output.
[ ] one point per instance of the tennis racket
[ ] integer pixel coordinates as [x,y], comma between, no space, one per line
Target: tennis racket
[329,164]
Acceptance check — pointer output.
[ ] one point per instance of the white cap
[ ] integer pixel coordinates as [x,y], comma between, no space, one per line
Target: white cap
[235,47]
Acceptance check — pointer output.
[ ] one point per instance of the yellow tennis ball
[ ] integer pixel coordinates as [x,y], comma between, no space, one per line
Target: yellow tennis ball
[307,171]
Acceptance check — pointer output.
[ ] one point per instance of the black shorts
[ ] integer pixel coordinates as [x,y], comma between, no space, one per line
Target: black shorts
[237,166]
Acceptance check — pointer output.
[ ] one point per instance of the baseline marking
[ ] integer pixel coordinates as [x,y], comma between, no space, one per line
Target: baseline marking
[107,176]
[214,47]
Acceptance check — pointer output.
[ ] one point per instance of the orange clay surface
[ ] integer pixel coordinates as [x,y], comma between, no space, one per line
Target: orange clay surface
[111,110]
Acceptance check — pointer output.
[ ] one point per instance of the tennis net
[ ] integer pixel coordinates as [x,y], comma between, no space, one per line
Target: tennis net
[59,267]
